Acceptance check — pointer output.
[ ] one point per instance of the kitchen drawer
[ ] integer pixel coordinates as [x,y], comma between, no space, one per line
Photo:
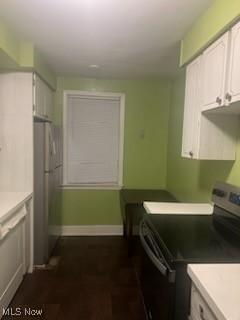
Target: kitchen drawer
[199,308]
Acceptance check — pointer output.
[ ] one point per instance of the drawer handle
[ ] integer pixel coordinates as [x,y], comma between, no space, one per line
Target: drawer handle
[201,313]
[228,97]
[219,100]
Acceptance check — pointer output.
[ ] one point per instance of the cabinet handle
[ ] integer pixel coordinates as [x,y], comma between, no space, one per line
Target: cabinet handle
[219,100]
[191,154]
[228,97]
[201,313]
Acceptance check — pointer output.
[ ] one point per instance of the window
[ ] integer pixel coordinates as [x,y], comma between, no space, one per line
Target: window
[93,138]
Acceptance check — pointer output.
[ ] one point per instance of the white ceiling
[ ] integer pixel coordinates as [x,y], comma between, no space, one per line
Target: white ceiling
[126,38]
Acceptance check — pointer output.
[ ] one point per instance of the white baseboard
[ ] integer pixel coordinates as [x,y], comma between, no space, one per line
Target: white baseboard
[55,230]
[92,230]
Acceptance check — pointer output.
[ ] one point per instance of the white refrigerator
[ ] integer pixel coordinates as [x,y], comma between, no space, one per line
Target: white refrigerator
[47,178]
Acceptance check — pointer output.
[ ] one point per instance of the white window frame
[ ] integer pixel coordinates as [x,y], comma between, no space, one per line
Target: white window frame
[103,95]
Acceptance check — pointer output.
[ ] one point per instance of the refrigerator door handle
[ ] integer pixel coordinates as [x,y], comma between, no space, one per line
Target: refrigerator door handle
[51,141]
[49,171]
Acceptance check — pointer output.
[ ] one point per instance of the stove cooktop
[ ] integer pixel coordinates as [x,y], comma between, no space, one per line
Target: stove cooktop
[196,238]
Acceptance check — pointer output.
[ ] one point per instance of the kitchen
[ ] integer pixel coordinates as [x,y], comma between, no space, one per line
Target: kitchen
[71,176]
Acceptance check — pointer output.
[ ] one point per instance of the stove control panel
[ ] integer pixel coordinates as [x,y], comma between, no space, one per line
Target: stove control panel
[219,193]
[227,196]
[234,198]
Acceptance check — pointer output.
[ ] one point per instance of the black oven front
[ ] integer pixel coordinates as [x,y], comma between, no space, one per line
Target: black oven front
[157,278]
[171,242]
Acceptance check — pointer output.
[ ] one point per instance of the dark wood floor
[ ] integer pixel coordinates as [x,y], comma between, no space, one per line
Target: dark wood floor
[94,280]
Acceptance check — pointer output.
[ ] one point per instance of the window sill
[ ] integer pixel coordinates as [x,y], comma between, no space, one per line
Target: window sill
[91,187]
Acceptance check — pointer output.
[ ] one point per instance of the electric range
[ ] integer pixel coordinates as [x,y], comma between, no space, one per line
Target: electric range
[171,241]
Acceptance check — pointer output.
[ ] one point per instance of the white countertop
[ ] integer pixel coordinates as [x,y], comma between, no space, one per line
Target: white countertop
[178,208]
[219,284]
[10,201]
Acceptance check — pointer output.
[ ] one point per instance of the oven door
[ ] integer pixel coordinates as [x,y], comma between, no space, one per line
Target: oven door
[157,278]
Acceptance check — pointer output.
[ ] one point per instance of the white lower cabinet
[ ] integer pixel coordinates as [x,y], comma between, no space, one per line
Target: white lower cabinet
[199,307]
[11,272]
[14,254]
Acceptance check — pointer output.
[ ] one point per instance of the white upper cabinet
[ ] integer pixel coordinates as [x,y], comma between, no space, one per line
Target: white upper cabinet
[214,73]
[191,110]
[233,80]
[38,96]
[43,99]
[211,122]
[48,103]
[209,136]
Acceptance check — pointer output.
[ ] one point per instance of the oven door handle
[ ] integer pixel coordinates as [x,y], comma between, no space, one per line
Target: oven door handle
[156,261]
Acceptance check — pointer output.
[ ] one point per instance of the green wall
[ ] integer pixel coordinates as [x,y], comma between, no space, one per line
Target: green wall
[192,180]
[145,160]
[86,207]
[214,21]
[9,43]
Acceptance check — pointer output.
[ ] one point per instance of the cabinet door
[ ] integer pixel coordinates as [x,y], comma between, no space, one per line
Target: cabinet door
[11,271]
[233,87]
[192,110]
[214,73]
[39,100]
[199,308]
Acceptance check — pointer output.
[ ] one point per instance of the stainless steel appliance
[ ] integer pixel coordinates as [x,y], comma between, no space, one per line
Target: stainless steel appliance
[170,242]
[47,176]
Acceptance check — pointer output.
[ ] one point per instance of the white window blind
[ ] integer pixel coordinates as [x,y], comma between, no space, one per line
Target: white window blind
[93,138]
